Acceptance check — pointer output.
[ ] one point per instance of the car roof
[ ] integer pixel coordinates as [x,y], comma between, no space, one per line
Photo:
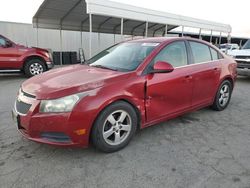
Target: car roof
[154,39]
[166,39]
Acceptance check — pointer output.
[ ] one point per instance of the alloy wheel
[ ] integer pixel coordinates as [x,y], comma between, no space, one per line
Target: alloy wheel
[224,95]
[36,69]
[117,127]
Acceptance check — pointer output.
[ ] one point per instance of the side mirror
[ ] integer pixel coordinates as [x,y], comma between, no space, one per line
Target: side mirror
[162,67]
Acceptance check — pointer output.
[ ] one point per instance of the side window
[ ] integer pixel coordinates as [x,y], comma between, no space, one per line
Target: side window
[174,53]
[2,42]
[214,54]
[201,52]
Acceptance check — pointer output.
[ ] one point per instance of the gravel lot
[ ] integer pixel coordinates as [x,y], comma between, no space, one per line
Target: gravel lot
[201,149]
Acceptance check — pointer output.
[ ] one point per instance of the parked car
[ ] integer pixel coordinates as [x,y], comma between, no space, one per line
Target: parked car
[242,57]
[126,87]
[32,61]
[225,48]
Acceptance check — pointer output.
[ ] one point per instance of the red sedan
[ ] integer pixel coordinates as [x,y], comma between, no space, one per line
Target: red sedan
[126,87]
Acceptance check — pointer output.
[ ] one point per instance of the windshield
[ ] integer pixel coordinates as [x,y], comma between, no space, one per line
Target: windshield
[123,57]
[246,45]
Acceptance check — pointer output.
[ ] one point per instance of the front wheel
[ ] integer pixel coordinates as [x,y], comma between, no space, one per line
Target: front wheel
[114,127]
[34,67]
[223,96]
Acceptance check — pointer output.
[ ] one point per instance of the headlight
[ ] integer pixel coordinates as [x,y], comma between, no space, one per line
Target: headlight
[64,104]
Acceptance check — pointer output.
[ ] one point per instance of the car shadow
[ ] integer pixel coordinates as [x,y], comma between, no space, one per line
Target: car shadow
[243,79]
[139,138]
[11,76]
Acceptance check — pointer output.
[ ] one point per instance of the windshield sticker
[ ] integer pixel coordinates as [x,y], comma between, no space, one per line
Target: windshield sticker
[150,44]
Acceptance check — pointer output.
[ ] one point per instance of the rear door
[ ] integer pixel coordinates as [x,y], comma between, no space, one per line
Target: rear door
[169,93]
[206,72]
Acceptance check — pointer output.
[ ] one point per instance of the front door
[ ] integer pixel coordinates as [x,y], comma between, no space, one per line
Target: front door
[8,55]
[169,93]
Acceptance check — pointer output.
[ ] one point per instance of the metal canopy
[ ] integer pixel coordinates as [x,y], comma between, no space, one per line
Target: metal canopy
[106,18]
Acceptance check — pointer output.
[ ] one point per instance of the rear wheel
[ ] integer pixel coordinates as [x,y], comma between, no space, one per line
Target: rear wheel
[114,127]
[34,67]
[223,96]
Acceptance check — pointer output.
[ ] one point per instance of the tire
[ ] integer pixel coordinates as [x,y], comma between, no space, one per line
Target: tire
[114,127]
[34,67]
[223,96]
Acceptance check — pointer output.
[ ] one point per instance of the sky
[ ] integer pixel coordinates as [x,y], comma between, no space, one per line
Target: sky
[235,13]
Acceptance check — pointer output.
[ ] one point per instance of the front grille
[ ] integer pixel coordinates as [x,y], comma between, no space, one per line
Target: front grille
[242,57]
[22,107]
[56,137]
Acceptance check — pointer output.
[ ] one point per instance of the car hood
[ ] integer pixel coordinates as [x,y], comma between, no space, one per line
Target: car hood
[31,48]
[39,49]
[243,52]
[65,81]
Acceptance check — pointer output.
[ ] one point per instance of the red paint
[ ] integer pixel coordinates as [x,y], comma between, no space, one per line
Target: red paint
[15,56]
[156,96]
[163,67]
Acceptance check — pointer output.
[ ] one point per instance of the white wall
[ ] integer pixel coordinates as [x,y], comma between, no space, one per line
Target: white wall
[71,40]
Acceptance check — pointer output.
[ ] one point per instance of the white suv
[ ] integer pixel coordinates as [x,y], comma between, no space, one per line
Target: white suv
[225,48]
[242,57]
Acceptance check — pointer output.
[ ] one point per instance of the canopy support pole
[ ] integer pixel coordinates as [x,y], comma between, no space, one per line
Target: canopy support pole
[211,36]
[99,42]
[240,44]
[122,29]
[166,31]
[90,35]
[220,39]
[37,36]
[182,31]
[81,38]
[146,30]
[200,34]
[229,38]
[61,48]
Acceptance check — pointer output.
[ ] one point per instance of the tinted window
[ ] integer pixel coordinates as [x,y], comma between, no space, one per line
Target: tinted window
[175,54]
[201,52]
[214,54]
[2,42]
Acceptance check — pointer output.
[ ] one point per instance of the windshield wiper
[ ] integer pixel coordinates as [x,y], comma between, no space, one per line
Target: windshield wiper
[103,67]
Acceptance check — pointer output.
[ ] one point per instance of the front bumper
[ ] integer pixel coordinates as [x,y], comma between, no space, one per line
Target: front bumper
[50,64]
[58,129]
[243,72]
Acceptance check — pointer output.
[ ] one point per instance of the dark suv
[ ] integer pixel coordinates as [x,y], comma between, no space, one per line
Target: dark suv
[32,61]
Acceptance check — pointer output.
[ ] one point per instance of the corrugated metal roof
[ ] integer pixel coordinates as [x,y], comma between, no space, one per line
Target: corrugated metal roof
[74,15]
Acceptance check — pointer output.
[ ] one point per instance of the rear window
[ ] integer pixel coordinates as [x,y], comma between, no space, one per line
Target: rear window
[214,54]
[201,52]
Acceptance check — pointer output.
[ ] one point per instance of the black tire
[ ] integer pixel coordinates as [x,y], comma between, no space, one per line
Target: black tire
[102,124]
[218,104]
[30,71]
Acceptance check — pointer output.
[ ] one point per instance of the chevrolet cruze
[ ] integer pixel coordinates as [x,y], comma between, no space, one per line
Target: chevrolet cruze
[126,87]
